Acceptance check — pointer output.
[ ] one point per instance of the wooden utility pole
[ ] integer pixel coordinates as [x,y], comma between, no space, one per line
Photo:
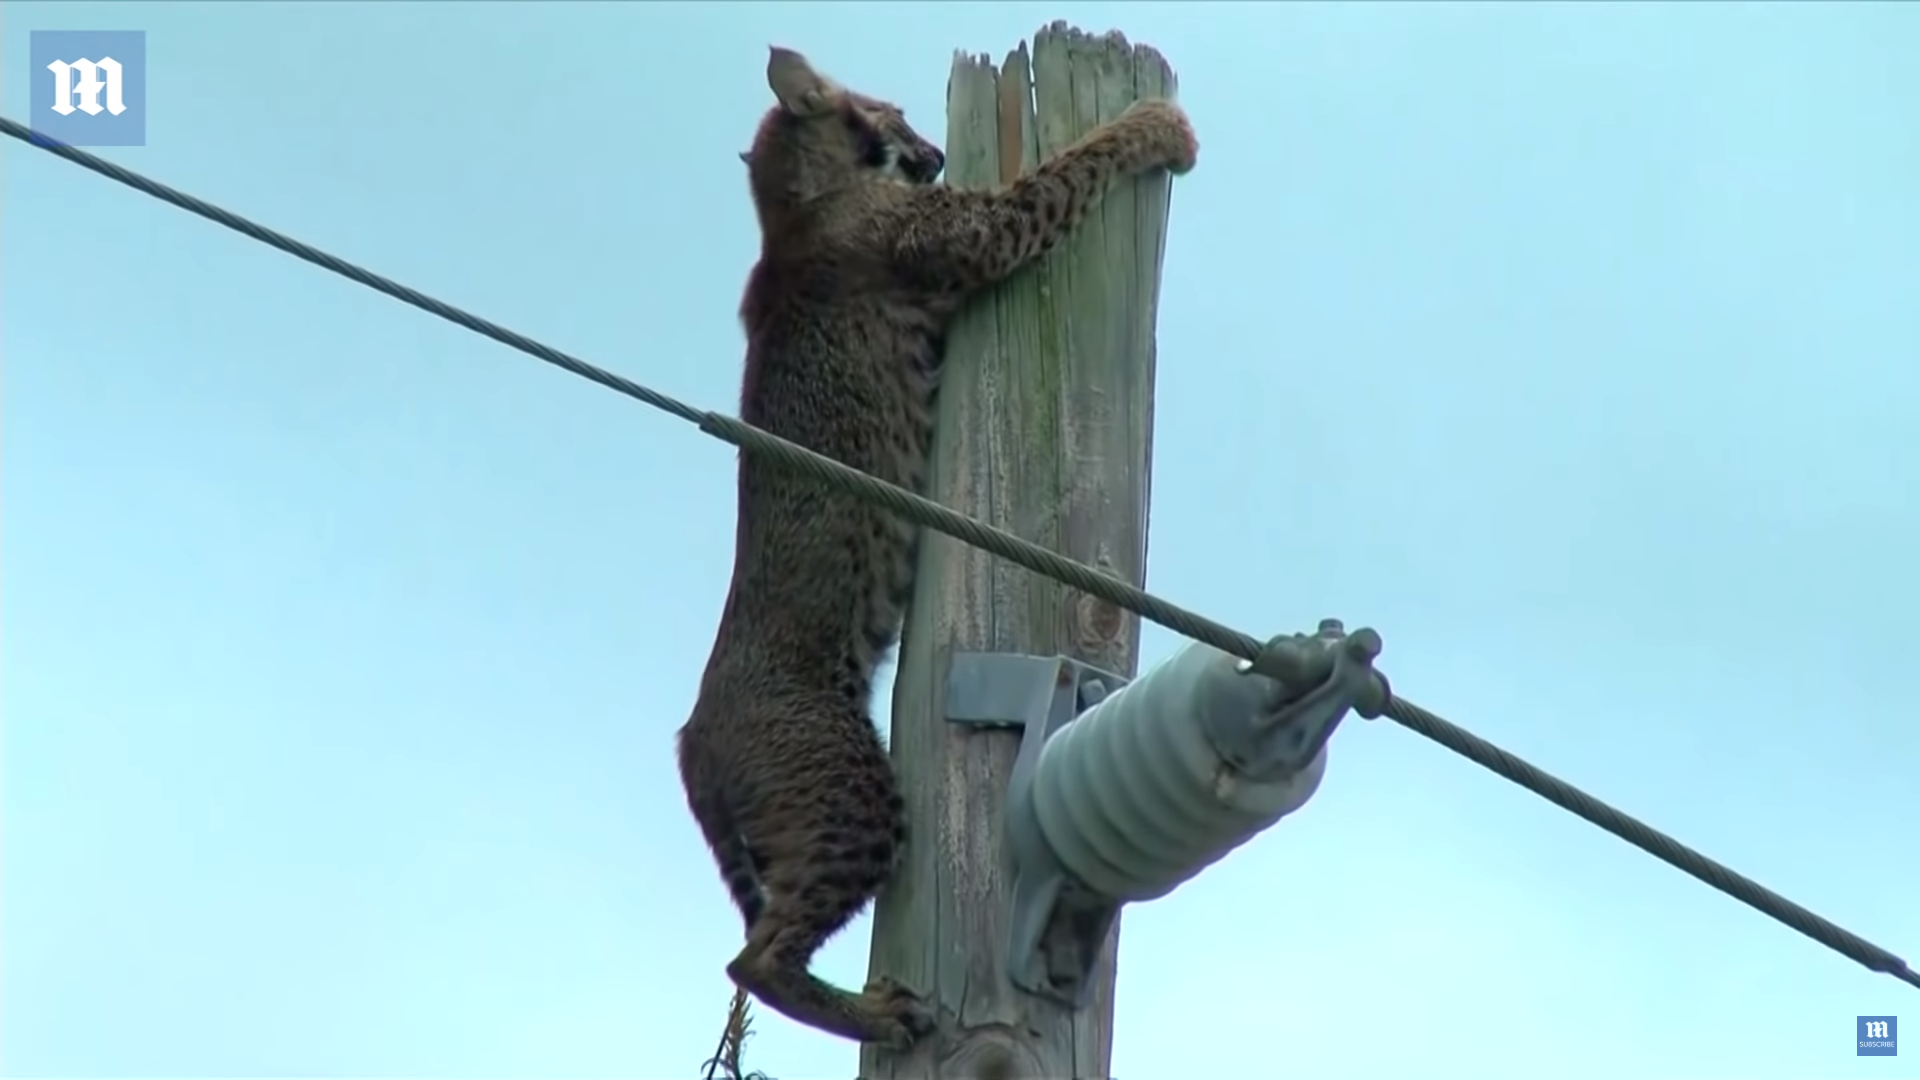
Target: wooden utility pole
[1045,429]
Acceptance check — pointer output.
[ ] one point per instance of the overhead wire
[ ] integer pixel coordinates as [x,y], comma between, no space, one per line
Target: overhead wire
[927,513]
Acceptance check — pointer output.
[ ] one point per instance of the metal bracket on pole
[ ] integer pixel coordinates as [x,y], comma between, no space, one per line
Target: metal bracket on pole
[1057,925]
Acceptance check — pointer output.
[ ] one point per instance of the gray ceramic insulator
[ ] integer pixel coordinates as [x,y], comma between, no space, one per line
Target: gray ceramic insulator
[1133,798]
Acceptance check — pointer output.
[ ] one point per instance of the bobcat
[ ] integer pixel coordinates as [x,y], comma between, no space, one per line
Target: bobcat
[864,261]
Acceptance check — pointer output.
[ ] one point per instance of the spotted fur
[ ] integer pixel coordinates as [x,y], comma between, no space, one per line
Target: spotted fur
[864,261]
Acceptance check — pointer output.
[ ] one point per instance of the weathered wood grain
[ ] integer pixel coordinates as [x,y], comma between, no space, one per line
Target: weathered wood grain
[1045,429]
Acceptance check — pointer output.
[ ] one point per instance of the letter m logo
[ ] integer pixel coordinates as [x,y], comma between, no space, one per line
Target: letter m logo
[82,79]
[1876,1029]
[89,87]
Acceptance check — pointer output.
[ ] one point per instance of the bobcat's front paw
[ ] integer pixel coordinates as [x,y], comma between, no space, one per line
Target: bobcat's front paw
[1166,127]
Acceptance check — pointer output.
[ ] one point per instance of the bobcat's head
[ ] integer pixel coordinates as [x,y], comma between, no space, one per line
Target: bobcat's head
[820,138]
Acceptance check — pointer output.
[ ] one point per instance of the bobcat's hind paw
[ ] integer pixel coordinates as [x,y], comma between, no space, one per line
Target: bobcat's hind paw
[903,1016]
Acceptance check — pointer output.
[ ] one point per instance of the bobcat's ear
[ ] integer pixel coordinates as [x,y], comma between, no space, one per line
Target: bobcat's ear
[800,90]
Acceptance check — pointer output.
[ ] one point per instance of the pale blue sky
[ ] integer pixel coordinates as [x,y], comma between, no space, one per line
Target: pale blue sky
[344,648]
